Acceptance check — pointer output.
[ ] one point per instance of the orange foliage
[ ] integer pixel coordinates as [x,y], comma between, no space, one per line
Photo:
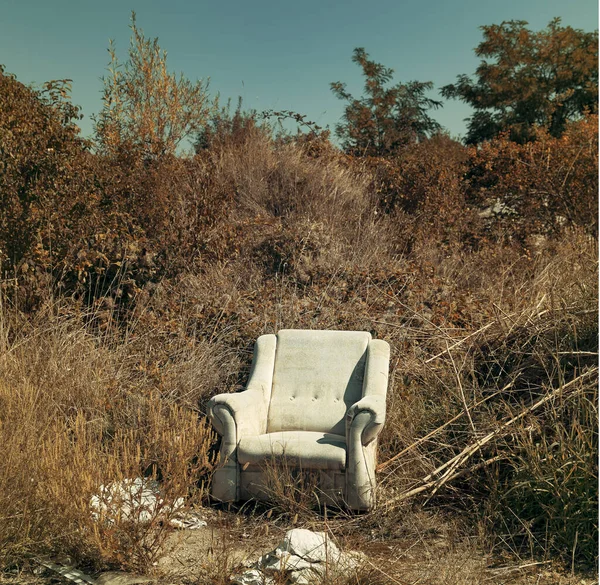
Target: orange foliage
[543,185]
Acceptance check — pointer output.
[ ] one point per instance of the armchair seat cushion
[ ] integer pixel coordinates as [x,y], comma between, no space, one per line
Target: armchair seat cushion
[307,449]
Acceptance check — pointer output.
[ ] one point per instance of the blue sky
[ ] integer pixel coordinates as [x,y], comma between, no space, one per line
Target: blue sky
[275,54]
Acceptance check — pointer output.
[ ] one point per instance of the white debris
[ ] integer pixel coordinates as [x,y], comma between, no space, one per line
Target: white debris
[252,577]
[67,571]
[496,209]
[139,500]
[188,521]
[302,556]
[109,578]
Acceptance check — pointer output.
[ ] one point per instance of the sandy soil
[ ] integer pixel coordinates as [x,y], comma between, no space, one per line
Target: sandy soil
[212,554]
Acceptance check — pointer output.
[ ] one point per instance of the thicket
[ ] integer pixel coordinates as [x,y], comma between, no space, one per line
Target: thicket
[135,282]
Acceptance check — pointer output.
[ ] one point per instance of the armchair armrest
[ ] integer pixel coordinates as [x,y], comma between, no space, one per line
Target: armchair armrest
[376,368]
[247,411]
[366,418]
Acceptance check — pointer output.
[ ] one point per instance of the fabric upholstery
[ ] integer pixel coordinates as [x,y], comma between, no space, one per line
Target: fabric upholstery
[242,414]
[315,399]
[305,449]
[249,408]
[318,376]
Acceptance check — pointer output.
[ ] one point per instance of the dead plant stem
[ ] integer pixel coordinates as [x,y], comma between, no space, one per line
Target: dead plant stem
[451,465]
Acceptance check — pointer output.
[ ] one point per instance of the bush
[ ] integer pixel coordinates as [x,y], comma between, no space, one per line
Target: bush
[547,500]
[147,110]
[46,194]
[73,418]
[540,187]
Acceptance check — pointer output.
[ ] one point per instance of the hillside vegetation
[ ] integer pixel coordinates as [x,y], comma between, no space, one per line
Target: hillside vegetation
[135,281]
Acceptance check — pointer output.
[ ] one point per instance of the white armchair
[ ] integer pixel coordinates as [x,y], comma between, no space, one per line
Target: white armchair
[315,399]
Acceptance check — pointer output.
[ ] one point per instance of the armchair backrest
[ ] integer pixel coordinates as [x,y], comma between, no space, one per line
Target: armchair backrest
[318,375]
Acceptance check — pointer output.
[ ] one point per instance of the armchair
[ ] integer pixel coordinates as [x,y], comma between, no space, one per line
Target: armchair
[315,399]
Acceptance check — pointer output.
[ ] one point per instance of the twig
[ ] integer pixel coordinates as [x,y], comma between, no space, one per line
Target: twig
[402,326]
[385,464]
[469,451]
[448,349]
[386,575]
[416,313]
[536,313]
[573,555]
[432,483]
[571,168]
[450,466]
[462,392]
[518,567]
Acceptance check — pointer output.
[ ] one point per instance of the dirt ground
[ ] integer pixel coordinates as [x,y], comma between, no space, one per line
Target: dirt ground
[210,555]
[214,553]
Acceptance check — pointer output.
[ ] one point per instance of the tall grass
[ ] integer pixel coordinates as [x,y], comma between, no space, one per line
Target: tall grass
[72,423]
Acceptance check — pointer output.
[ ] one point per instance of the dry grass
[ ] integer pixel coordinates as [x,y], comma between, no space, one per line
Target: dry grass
[71,422]
[96,390]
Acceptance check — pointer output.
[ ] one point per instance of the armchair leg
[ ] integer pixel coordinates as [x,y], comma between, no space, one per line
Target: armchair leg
[360,492]
[360,475]
[225,482]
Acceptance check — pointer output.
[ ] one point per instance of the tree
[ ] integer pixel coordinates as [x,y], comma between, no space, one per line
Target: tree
[527,78]
[386,119]
[144,106]
[43,161]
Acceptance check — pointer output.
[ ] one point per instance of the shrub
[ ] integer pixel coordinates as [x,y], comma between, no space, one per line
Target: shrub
[146,109]
[542,186]
[46,195]
[502,422]
[547,499]
[74,419]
